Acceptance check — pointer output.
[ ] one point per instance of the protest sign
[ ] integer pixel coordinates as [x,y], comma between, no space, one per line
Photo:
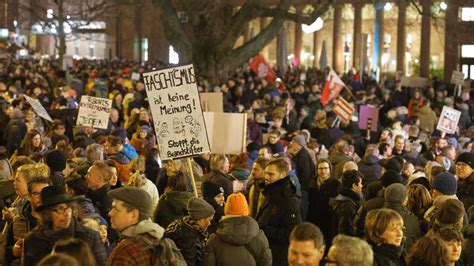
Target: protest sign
[39,109]
[457,78]
[212,101]
[368,117]
[414,82]
[227,132]
[135,76]
[343,109]
[260,67]
[448,120]
[94,112]
[176,110]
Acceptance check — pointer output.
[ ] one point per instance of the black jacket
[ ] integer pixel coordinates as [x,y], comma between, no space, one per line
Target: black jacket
[39,242]
[388,255]
[319,211]
[369,166]
[278,215]
[221,179]
[466,193]
[372,204]
[344,207]
[411,223]
[305,170]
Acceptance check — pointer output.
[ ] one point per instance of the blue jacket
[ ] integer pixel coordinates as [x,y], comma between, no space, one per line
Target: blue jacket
[129,151]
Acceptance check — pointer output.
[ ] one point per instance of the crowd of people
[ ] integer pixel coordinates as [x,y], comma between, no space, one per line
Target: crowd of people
[310,189]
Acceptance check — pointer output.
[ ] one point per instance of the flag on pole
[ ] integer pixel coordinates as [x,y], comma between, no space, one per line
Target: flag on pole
[332,88]
[343,109]
[263,70]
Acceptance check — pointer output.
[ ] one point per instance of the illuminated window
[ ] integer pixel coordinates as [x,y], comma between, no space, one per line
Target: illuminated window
[467,51]
[467,13]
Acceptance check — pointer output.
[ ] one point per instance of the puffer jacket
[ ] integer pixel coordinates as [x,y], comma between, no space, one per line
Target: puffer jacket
[238,241]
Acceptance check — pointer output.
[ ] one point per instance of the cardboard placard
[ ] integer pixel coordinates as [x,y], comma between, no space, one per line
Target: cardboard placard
[457,78]
[227,132]
[176,110]
[212,101]
[39,109]
[414,82]
[368,116]
[448,120]
[94,112]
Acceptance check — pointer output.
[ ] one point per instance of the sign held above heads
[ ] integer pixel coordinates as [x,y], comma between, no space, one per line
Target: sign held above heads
[343,109]
[332,88]
[38,107]
[227,132]
[175,106]
[368,117]
[448,120]
[212,101]
[94,112]
[457,78]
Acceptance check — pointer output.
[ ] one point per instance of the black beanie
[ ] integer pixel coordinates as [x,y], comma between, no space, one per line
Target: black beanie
[390,177]
[56,160]
[211,189]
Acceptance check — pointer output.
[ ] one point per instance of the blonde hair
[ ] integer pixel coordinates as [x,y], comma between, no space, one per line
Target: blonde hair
[377,222]
[31,171]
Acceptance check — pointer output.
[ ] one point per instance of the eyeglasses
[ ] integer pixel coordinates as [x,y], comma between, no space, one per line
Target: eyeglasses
[62,210]
[323,168]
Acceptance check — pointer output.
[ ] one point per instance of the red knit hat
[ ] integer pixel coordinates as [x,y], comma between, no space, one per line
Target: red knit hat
[236,205]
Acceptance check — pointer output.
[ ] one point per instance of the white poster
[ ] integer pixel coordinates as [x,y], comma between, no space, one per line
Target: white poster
[135,76]
[39,109]
[94,112]
[176,110]
[227,132]
[448,120]
[457,78]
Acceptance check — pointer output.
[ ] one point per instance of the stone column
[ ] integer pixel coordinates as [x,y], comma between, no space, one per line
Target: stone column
[401,35]
[357,34]
[316,48]
[263,24]
[298,44]
[378,35]
[337,49]
[425,38]
[451,47]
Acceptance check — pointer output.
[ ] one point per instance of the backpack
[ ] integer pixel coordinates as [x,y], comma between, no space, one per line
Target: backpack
[166,253]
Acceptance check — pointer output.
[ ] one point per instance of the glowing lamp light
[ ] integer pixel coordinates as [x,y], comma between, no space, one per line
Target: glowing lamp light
[388,6]
[443,5]
[315,26]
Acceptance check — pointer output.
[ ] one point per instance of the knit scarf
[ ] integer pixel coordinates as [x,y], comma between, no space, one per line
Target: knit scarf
[187,221]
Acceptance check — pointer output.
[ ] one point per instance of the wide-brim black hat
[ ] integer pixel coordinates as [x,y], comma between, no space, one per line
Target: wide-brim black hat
[53,195]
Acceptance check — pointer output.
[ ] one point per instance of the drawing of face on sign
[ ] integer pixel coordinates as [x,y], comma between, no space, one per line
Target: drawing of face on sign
[178,126]
[163,131]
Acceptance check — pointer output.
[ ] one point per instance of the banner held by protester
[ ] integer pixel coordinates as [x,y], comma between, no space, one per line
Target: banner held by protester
[176,110]
[368,117]
[39,109]
[94,112]
[343,109]
[332,88]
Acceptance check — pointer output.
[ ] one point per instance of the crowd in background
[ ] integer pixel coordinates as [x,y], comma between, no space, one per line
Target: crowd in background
[309,189]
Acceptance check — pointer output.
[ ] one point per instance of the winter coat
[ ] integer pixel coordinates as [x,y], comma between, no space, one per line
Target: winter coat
[468,247]
[21,224]
[412,225]
[344,207]
[219,213]
[39,242]
[131,250]
[278,215]
[388,255]
[152,170]
[369,166]
[172,206]
[221,179]
[14,134]
[338,160]
[427,118]
[305,169]
[465,193]
[122,163]
[189,238]
[319,211]
[238,241]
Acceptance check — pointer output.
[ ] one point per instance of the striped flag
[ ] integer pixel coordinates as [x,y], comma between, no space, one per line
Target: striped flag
[332,88]
[343,109]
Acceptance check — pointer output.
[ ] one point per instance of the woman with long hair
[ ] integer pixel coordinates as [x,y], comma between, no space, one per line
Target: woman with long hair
[31,145]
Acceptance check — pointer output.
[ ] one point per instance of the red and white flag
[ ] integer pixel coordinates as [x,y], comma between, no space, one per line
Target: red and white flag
[263,70]
[332,88]
[343,109]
